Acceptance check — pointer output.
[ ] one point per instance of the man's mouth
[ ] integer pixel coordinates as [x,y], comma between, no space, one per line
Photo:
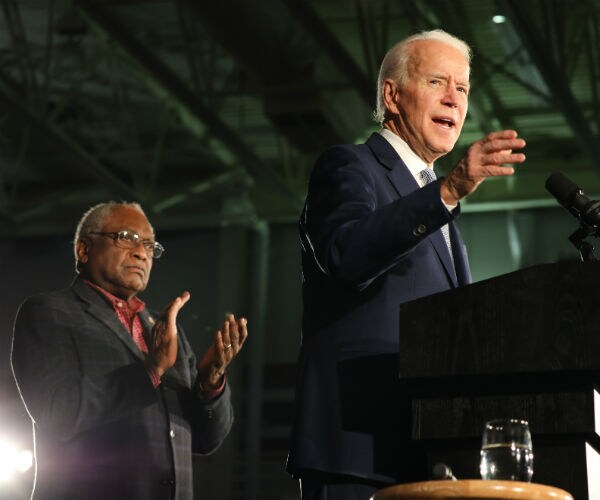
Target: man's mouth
[137,269]
[444,122]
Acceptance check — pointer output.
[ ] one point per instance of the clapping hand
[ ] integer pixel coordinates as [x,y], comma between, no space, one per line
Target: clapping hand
[162,351]
[226,345]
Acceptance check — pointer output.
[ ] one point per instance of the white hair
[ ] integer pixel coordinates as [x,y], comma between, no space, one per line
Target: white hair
[94,218]
[396,62]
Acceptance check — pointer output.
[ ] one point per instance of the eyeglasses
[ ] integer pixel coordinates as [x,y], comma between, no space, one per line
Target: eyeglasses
[129,239]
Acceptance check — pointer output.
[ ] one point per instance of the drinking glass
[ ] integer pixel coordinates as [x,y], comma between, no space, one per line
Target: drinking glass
[506,450]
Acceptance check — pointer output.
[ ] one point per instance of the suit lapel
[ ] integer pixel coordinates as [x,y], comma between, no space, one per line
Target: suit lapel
[438,242]
[148,320]
[397,171]
[101,310]
[404,183]
[461,260]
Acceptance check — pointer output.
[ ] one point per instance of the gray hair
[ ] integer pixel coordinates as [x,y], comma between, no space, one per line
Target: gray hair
[93,220]
[396,61]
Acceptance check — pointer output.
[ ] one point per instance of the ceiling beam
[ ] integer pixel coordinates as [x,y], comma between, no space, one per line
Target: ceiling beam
[328,42]
[77,159]
[277,53]
[554,78]
[16,30]
[199,188]
[200,119]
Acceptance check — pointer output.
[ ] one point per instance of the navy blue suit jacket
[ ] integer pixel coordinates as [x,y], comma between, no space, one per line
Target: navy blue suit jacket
[370,241]
[102,431]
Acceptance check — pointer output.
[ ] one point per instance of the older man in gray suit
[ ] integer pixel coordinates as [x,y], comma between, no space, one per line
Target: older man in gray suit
[116,394]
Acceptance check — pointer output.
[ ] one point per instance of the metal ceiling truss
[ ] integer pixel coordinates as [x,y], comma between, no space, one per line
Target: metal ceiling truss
[79,158]
[25,103]
[336,52]
[549,65]
[14,22]
[201,120]
[212,102]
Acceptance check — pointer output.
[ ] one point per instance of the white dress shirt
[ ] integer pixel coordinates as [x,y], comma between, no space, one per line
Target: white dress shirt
[410,159]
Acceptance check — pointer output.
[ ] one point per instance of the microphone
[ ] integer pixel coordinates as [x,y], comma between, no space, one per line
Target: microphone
[442,471]
[572,197]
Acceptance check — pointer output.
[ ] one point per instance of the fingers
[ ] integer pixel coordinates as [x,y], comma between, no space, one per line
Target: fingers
[227,344]
[488,157]
[501,158]
[498,171]
[243,328]
[178,303]
[173,310]
[497,148]
[501,134]
[233,335]
[501,145]
[230,339]
[163,352]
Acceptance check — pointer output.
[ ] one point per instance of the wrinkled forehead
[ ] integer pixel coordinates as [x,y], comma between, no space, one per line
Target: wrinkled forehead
[127,217]
[426,56]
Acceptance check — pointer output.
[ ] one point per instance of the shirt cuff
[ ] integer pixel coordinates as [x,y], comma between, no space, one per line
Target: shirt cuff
[153,376]
[449,207]
[209,394]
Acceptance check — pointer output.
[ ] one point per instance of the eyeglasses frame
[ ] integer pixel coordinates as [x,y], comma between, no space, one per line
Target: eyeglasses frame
[120,236]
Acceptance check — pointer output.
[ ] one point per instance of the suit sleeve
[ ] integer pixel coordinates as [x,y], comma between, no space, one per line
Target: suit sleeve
[63,399]
[350,233]
[210,420]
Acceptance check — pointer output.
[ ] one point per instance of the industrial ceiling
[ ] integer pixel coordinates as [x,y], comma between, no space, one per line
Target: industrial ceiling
[213,112]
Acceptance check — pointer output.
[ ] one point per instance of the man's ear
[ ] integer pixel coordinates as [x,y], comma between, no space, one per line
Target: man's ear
[389,93]
[82,248]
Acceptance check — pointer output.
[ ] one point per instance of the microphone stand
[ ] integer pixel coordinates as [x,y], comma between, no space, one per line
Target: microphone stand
[586,249]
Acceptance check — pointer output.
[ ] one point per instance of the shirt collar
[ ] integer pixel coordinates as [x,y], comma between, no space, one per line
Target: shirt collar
[134,304]
[410,159]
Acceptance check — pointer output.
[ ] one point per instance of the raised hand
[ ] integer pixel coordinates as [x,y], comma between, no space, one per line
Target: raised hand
[484,158]
[162,351]
[226,345]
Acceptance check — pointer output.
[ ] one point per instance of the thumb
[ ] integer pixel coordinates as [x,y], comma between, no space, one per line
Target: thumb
[175,307]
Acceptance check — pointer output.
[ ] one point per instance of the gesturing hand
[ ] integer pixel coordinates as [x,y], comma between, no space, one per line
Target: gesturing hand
[227,344]
[483,159]
[162,351]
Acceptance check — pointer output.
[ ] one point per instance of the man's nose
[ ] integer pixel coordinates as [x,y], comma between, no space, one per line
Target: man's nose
[451,96]
[139,251]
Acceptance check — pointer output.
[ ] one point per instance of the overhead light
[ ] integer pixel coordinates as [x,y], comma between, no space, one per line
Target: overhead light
[499,19]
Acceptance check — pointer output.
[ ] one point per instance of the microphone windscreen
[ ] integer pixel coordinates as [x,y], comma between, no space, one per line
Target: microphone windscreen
[442,471]
[562,188]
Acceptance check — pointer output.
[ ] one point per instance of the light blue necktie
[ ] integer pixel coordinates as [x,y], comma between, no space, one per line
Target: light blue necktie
[427,175]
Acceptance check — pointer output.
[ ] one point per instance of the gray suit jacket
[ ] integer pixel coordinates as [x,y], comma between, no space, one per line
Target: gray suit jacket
[101,429]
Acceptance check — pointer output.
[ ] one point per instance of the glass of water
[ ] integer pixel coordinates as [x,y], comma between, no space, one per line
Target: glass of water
[506,450]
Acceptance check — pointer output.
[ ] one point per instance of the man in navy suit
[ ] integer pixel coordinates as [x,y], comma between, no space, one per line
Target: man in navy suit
[116,394]
[376,231]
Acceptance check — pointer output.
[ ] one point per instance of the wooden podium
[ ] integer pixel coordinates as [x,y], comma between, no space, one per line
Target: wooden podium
[472,489]
[523,345]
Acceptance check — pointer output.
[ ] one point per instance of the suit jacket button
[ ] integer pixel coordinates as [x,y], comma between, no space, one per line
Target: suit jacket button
[172,433]
[420,229]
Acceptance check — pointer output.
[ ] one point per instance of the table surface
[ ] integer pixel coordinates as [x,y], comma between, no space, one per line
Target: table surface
[472,489]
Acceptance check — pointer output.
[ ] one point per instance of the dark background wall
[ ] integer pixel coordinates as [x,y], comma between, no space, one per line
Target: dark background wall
[211,115]
[219,268]
[252,271]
